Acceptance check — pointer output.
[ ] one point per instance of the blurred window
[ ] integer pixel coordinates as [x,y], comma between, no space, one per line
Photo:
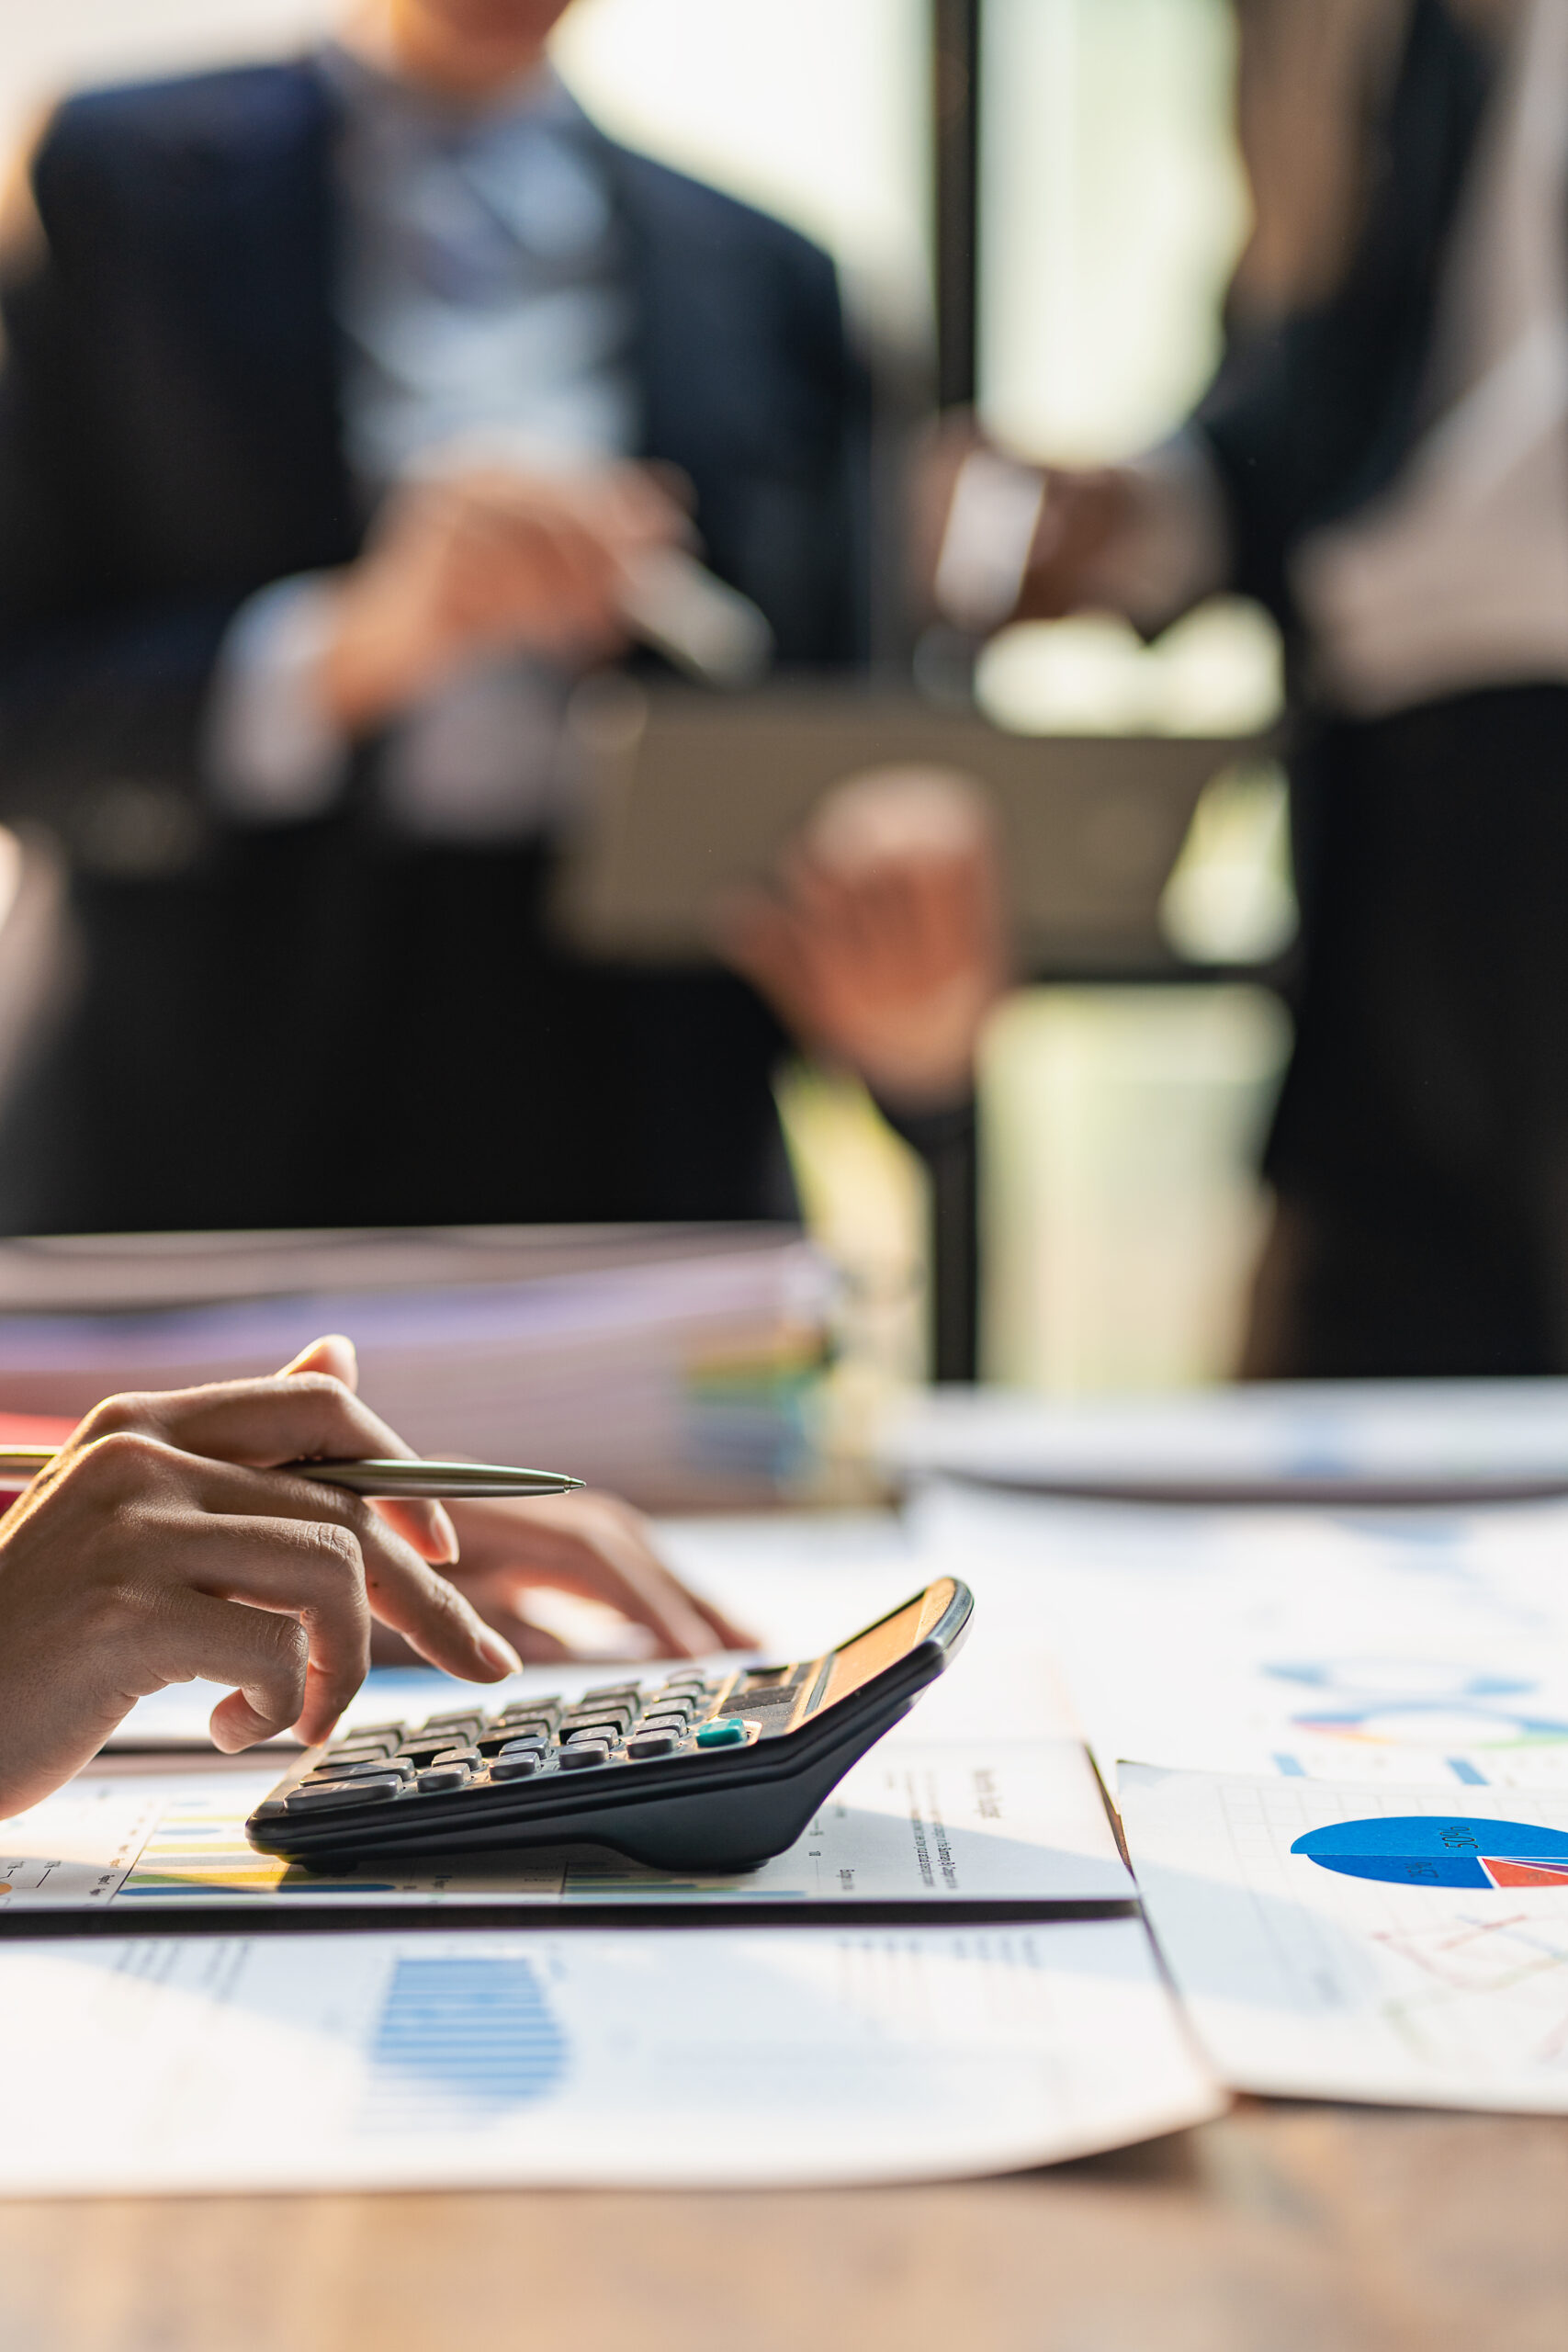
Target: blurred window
[70,44]
[815,110]
[1113,208]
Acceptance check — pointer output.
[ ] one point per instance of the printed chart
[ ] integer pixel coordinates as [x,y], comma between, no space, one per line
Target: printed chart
[1422,1850]
[1343,1942]
[912,1822]
[286,2061]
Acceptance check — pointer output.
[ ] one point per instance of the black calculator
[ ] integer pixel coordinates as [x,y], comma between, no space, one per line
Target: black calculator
[701,1772]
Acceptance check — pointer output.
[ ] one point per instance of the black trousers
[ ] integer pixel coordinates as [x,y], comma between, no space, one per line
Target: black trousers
[325,1027]
[1420,1149]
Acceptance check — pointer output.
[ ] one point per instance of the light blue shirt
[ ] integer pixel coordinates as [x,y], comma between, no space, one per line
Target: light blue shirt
[484,303]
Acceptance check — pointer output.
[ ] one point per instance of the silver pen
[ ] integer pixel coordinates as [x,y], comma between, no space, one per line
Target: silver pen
[388,1481]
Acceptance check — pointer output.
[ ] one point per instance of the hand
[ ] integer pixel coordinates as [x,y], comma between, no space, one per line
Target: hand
[486,561]
[883,945]
[592,1545]
[1082,514]
[165,1544]
[1082,511]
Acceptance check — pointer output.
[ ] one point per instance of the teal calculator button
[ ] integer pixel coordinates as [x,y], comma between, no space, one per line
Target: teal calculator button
[729,1732]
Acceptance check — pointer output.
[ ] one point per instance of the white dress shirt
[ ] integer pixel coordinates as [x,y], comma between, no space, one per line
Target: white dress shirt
[485,314]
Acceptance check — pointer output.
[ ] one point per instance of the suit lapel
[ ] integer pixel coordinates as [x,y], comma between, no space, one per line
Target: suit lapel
[254,245]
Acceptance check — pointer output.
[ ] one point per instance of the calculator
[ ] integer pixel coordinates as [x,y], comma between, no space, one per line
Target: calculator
[701,1770]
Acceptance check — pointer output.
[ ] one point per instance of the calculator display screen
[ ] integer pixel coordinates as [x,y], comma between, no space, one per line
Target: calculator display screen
[882,1645]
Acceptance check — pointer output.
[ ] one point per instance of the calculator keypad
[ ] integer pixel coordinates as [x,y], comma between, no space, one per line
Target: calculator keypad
[616,1727]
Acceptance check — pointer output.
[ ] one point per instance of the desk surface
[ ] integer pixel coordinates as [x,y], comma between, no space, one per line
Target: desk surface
[1281,2229]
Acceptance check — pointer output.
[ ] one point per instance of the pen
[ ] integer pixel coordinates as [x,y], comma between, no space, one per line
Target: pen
[388,1481]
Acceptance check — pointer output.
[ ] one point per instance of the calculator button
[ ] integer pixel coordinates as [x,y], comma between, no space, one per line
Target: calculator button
[364,1751]
[450,1728]
[652,1742]
[577,1759]
[442,1776]
[613,1693]
[662,1722]
[516,1767]
[455,1755]
[390,1733]
[550,1706]
[270,1809]
[332,1771]
[321,1793]
[531,1743]
[596,1728]
[728,1732]
[521,1727]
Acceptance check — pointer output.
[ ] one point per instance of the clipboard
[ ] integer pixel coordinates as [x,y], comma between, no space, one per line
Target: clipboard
[682,795]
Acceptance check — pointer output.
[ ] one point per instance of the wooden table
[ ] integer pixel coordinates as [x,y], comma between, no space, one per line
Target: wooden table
[1281,2229]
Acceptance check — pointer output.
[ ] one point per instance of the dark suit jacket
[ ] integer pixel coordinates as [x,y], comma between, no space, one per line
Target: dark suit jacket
[1313,418]
[170,437]
[170,442]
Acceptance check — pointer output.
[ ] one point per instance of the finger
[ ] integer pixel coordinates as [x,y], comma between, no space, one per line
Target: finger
[424,1606]
[594,1545]
[305,1570]
[301,1417]
[425,1524]
[336,1355]
[262,1652]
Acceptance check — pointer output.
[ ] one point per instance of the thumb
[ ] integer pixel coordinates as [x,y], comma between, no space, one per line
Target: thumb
[334,1354]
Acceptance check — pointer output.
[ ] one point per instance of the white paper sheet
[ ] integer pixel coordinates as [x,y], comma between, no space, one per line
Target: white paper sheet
[1304,1982]
[1351,1646]
[1293,1437]
[659,2058]
[913,1823]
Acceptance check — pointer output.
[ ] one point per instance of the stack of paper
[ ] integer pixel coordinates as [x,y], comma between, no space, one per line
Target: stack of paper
[656,1360]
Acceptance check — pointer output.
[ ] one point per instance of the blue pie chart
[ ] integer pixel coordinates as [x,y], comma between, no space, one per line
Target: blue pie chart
[1441,1850]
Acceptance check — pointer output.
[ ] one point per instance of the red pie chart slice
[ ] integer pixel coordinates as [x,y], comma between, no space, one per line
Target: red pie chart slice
[1501,1872]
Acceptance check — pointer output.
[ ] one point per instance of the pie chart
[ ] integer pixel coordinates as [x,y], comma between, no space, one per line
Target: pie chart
[1439,1849]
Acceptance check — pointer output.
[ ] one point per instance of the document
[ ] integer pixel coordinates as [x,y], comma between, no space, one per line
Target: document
[1436,1438]
[1341,1942]
[912,1824]
[1353,1646]
[663,2059]
[639,1357]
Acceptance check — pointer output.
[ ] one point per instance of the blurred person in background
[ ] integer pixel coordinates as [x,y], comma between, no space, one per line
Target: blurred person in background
[1383,463]
[342,397]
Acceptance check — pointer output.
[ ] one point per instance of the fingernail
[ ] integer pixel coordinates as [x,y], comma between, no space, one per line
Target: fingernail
[446,1536]
[499,1654]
